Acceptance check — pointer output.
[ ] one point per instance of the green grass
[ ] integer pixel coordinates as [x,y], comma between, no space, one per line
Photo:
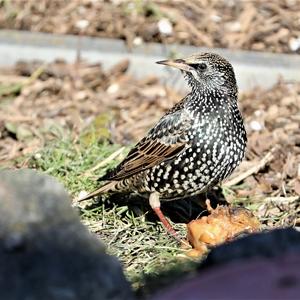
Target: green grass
[127,228]
[67,161]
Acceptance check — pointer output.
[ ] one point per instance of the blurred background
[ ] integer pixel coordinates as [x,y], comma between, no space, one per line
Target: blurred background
[258,25]
[78,81]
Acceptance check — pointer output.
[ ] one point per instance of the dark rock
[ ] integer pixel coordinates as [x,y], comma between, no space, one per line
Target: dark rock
[45,252]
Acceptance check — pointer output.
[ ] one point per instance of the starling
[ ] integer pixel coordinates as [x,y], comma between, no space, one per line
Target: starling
[193,147]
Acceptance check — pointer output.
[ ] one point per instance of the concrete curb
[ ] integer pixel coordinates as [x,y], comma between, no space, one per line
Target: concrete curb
[252,68]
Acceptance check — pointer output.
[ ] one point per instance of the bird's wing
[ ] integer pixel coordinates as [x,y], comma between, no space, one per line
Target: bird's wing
[163,142]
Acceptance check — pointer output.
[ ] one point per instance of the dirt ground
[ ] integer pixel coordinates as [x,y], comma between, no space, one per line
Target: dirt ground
[45,99]
[259,25]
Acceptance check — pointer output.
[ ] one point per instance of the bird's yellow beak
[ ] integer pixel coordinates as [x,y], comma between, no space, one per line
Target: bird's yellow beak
[176,63]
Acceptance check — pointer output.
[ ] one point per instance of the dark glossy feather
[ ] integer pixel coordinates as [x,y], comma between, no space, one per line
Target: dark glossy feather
[163,142]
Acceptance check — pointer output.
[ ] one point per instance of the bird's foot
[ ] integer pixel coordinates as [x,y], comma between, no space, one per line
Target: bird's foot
[155,204]
[169,228]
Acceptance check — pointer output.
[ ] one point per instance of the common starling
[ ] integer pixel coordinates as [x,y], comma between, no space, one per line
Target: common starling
[194,146]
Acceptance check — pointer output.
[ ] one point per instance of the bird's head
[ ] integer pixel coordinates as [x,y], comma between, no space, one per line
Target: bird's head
[206,72]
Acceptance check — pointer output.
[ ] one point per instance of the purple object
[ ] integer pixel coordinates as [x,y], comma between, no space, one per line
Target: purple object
[258,278]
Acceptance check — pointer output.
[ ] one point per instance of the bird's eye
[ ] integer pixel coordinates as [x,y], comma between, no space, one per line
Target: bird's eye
[202,66]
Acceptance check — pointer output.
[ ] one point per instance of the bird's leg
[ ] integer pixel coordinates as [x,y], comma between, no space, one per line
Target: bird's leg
[155,204]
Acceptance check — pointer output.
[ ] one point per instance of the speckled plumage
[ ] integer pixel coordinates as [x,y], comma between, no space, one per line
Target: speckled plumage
[207,134]
[195,145]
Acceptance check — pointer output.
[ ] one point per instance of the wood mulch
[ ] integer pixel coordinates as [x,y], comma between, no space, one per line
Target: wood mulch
[259,25]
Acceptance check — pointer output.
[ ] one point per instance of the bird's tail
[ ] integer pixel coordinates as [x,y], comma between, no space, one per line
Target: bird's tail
[108,187]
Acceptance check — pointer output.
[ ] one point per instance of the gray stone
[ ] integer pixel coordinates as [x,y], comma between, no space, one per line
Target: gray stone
[45,252]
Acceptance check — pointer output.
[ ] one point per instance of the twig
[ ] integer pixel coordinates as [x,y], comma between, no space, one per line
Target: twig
[104,162]
[17,86]
[8,79]
[24,80]
[262,163]
[15,118]
[282,200]
[35,75]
